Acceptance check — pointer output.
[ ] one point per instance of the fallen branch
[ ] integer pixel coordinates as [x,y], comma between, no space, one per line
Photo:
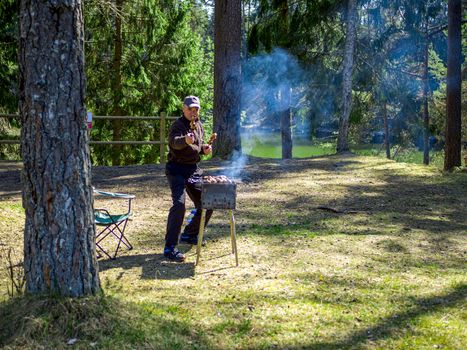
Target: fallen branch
[322,207]
[337,211]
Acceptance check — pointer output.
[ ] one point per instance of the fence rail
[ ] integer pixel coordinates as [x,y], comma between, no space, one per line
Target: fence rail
[162,142]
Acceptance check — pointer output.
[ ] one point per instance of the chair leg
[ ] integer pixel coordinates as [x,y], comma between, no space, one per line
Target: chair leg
[125,240]
[121,238]
[98,236]
[233,236]
[200,235]
[119,235]
[103,251]
[99,239]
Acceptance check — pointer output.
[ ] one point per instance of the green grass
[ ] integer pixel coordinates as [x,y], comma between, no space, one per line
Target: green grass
[408,155]
[102,322]
[337,252]
[269,146]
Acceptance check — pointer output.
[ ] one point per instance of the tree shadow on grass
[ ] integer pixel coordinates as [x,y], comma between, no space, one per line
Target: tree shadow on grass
[95,322]
[436,205]
[396,323]
[254,170]
[400,255]
[153,266]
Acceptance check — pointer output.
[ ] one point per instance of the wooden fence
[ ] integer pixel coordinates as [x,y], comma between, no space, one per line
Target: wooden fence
[162,142]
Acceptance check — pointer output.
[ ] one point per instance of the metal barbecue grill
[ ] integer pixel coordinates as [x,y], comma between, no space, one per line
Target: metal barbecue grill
[218,192]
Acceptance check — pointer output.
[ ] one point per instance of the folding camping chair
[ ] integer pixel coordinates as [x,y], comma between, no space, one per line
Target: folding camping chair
[113,225]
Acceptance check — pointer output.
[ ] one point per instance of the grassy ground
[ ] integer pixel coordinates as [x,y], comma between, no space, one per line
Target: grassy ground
[402,155]
[336,252]
[269,146]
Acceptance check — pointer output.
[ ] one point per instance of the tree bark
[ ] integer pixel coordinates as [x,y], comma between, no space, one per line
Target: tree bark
[59,233]
[117,85]
[426,114]
[342,140]
[386,131]
[452,148]
[284,99]
[227,77]
[286,132]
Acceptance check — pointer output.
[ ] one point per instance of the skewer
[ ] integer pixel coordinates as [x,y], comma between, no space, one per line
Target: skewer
[212,138]
[193,123]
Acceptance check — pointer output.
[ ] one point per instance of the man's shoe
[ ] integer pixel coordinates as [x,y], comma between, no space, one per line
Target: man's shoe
[191,239]
[174,254]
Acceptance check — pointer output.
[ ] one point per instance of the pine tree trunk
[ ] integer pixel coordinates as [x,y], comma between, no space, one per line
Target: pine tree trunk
[452,148]
[386,131]
[59,233]
[286,132]
[426,115]
[342,140]
[117,85]
[227,77]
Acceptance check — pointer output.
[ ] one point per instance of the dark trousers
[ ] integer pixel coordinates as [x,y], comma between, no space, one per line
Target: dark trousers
[183,180]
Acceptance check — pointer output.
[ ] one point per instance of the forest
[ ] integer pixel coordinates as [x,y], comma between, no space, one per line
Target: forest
[142,57]
[326,211]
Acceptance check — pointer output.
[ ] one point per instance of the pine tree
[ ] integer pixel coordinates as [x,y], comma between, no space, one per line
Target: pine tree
[227,77]
[59,233]
[452,150]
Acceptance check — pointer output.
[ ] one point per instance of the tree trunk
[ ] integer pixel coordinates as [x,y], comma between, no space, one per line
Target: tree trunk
[59,233]
[426,115]
[227,77]
[386,131]
[342,140]
[286,132]
[117,85]
[452,148]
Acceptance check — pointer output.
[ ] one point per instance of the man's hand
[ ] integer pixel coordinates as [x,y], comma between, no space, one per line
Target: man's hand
[189,138]
[207,149]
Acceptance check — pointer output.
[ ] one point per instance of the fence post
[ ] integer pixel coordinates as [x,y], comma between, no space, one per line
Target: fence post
[162,138]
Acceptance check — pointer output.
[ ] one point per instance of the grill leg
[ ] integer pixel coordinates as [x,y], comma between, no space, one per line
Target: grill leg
[233,236]
[200,235]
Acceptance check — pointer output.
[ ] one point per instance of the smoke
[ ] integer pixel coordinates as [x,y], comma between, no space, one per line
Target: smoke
[272,84]
[266,80]
[234,167]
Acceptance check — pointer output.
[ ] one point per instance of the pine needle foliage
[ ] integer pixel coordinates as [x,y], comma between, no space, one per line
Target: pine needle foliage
[165,56]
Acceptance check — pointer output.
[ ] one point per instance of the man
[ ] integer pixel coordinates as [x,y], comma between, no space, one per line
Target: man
[186,145]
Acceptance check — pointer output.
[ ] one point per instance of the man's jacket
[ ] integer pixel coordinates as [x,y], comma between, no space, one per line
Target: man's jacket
[181,152]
